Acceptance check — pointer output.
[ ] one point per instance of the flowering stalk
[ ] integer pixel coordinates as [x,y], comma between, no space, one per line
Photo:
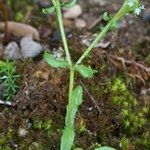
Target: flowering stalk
[129,6]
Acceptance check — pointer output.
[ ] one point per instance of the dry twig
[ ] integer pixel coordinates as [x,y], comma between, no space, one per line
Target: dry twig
[91,97]
[131,62]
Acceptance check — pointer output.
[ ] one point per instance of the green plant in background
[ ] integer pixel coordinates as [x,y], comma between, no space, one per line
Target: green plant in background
[8,78]
[131,119]
[124,143]
[76,93]
[4,138]
[46,124]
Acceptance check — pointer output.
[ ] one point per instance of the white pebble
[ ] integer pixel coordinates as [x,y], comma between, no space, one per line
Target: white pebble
[80,23]
[73,12]
[22,132]
[12,51]
[30,48]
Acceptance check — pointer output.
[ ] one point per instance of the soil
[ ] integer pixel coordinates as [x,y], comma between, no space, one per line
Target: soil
[42,97]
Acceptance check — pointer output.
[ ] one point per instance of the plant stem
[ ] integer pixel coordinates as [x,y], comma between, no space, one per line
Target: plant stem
[120,14]
[57,5]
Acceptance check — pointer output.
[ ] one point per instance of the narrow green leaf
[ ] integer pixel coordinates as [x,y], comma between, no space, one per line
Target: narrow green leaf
[77,95]
[67,138]
[86,72]
[105,148]
[55,62]
[76,100]
[48,10]
[69,4]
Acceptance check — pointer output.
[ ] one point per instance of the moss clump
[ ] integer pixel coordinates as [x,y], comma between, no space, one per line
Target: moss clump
[5,138]
[44,124]
[144,141]
[132,119]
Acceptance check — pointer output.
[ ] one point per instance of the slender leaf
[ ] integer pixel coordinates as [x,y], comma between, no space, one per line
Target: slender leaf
[67,138]
[69,4]
[48,10]
[56,63]
[86,72]
[106,17]
[69,133]
[76,100]
[77,95]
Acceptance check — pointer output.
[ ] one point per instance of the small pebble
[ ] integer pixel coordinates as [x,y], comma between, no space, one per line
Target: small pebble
[90,108]
[58,53]
[30,48]
[22,132]
[80,23]
[12,51]
[73,12]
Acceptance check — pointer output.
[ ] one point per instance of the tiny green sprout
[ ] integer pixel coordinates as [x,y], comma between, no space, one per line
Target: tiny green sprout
[82,126]
[75,94]
[126,124]
[8,77]
[125,112]
[145,110]
[106,17]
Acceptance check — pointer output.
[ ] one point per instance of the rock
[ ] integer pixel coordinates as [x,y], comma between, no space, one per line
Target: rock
[58,53]
[22,132]
[80,23]
[73,12]
[12,51]
[30,48]
[20,29]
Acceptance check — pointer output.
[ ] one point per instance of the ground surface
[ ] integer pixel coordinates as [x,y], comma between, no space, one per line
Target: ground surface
[36,118]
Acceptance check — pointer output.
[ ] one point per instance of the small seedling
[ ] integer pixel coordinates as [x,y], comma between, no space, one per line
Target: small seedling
[8,77]
[75,94]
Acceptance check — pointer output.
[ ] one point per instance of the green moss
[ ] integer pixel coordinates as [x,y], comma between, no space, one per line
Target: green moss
[82,126]
[35,146]
[125,142]
[144,141]
[4,138]
[43,124]
[132,119]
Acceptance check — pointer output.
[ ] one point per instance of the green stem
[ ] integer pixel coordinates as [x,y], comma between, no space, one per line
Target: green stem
[57,5]
[120,14]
